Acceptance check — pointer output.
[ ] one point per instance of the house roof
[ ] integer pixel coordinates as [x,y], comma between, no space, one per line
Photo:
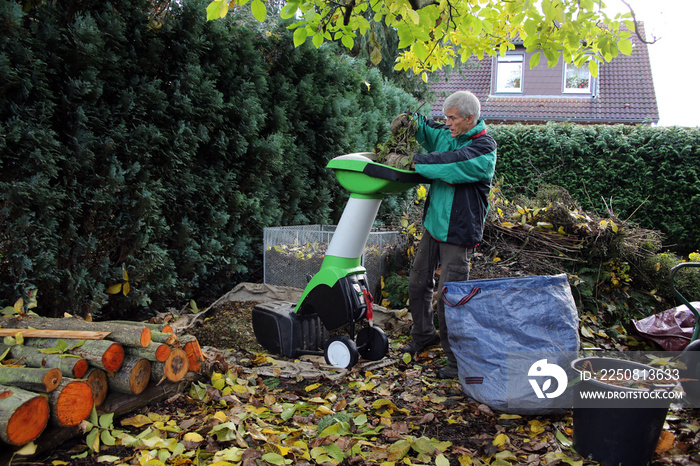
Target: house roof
[624,94]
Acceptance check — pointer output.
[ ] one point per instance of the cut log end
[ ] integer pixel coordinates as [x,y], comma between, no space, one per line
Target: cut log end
[51,380]
[113,358]
[141,374]
[28,421]
[162,353]
[72,404]
[97,379]
[145,337]
[177,365]
[195,355]
[80,368]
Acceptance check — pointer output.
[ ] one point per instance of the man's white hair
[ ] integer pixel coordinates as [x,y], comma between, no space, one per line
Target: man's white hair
[465,102]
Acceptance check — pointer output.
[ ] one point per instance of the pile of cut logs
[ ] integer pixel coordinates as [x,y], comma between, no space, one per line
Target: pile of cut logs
[58,369]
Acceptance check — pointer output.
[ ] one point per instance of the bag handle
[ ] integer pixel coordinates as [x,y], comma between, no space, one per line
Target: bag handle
[475,291]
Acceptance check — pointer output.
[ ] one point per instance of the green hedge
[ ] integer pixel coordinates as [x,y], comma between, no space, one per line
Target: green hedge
[164,149]
[650,175]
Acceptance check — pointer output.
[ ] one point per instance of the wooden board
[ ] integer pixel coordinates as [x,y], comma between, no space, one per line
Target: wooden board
[38,333]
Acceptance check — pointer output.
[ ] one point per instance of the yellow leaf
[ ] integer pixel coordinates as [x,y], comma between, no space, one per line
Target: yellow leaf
[497,259]
[28,449]
[586,332]
[440,460]
[136,421]
[324,410]
[465,460]
[220,416]
[500,440]
[312,387]
[126,288]
[114,289]
[192,437]
[19,304]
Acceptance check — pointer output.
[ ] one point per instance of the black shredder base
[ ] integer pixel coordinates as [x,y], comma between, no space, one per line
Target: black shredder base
[628,439]
[281,331]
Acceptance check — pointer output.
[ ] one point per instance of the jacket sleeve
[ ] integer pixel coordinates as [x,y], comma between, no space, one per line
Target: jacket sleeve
[468,164]
[427,132]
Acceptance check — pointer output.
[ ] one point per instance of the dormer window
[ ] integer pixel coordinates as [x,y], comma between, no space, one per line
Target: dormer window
[509,73]
[577,79]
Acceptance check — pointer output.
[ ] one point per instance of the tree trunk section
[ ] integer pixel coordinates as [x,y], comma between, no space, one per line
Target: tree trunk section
[165,328]
[133,376]
[153,352]
[71,403]
[34,379]
[97,379]
[74,368]
[173,369]
[105,354]
[194,352]
[23,415]
[125,334]
[166,338]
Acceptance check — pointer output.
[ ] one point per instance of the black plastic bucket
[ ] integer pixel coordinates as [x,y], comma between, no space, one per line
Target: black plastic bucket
[616,430]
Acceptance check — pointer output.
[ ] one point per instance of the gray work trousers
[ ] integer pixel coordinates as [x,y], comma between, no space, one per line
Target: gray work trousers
[454,262]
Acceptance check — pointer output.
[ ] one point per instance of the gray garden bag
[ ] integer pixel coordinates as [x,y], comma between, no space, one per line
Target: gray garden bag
[509,336]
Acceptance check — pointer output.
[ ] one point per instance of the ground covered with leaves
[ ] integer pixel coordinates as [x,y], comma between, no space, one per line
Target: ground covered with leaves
[393,411]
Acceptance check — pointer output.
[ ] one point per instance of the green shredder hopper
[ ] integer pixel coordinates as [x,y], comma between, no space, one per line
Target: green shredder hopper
[334,314]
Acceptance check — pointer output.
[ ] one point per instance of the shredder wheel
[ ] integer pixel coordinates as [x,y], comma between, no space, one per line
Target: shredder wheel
[341,352]
[372,343]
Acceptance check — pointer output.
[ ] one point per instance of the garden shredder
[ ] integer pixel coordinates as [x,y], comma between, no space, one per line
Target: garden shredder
[337,298]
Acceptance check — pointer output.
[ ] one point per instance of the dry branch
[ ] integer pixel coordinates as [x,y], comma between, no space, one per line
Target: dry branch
[39,333]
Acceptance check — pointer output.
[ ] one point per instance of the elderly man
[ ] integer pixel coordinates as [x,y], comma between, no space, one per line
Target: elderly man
[460,163]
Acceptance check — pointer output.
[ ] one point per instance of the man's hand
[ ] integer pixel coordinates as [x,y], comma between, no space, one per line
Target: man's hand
[401,121]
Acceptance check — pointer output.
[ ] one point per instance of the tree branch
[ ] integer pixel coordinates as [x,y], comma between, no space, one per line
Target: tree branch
[636,28]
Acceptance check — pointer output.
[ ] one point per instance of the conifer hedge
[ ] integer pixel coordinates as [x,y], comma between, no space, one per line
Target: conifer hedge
[650,175]
[153,155]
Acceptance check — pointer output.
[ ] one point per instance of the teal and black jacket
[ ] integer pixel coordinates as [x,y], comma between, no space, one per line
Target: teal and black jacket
[461,170]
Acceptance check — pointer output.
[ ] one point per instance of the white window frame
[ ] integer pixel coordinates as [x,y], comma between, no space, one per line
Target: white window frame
[502,74]
[577,90]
